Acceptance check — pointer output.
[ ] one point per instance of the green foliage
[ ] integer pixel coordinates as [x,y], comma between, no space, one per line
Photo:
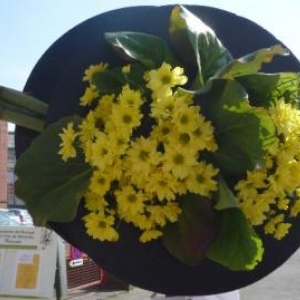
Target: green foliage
[250,63]
[264,88]
[237,247]
[149,50]
[243,132]
[197,44]
[51,188]
[188,239]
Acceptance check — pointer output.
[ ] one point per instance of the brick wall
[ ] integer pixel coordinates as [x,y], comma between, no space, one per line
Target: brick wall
[3,164]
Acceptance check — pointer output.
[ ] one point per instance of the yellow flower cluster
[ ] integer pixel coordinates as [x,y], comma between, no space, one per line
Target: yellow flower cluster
[144,146]
[271,194]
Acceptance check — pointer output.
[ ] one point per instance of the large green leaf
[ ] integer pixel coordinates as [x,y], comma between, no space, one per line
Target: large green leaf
[51,188]
[197,44]
[250,63]
[149,50]
[224,197]
[236,247]
[243,132]
[188,239]
[263,88]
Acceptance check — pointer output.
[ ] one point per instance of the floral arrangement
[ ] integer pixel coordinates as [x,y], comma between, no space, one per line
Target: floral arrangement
[184,142]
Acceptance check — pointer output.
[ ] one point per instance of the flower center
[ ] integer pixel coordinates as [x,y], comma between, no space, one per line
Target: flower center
[184,120]
[200,178]
[178,159]
[102,224]
[144,155]
[131,198]
[184,138]
[127,119]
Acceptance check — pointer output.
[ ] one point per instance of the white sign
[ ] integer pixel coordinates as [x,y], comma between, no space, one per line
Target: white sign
[19,236]
[27,261]
[76,263]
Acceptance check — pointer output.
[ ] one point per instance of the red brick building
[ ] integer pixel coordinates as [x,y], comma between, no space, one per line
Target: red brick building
[3,164]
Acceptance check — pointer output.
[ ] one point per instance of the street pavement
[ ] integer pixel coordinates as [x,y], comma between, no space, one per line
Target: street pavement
[282,284]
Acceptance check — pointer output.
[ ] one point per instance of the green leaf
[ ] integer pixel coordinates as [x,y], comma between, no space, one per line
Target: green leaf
[108,81]
[197,44]
[47,196]
[236,247]
[243,132]
[188,239]
[250,63]
[224,196]
[263,88]
[149,50]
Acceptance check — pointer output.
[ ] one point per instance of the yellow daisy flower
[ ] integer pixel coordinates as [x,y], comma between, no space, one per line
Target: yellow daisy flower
[129,201]
[177,161]
[130,97]
[68,136]
[89,96]
[201,179]
[100,227]
[161,184]
[104,107]
[89,73]
[102,154]
[149,235]
[185,118]
[161,131]
[100,182]
[125,118]
[142,155]
[164,78]
[94,202]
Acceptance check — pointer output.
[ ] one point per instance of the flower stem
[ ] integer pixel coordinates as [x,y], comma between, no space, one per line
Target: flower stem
[21,109]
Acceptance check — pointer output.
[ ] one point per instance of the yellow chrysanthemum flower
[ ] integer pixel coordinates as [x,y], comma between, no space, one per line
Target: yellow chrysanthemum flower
[161,131]
[88,73]
[201,179]
[94,202]
[161,185]
[162,109]
[177,161]
[185,118]
[286,118]
[129,201]
[87,128]
[125,118]
[100,182]
[149,235]
[102,154]
[130,97]
[204,135]
[161,80]
[104,107]
[126,69]
[68,136]
[100,227]
[89,96]
[142,155]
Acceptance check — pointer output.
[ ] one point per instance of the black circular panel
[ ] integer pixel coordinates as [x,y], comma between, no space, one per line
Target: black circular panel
[56,79]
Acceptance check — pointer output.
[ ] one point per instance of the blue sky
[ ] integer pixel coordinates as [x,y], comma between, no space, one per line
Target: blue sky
[29,27]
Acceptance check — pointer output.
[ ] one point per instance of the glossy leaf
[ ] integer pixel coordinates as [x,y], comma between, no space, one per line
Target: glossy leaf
[51,188]
[243,132]
[188,239]
[149,50]
[236,247]
[197,43]
[263,88]
[224,197]
[250,63]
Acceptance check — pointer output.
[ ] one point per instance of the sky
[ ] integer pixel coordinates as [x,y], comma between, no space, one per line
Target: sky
[29,27]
